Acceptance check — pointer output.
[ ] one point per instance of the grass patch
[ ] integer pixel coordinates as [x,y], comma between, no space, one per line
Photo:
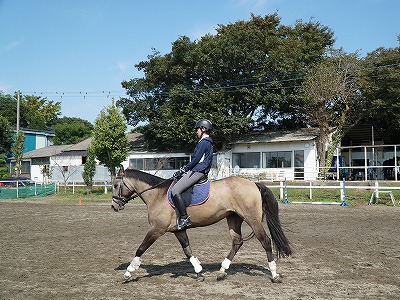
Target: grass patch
[354,196]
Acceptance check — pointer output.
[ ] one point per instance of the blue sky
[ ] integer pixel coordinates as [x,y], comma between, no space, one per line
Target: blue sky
[78,51]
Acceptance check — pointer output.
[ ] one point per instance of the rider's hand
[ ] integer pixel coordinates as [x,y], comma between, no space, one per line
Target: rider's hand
[179,173]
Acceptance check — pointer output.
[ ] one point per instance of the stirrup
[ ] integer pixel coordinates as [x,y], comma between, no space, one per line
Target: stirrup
[183,222]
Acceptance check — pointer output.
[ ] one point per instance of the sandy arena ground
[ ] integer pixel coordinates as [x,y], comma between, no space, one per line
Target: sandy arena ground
[81,251]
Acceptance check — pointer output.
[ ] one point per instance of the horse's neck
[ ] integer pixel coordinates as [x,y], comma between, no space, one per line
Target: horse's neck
[148,194]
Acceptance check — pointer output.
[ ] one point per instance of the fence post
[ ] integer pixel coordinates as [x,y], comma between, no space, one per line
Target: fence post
[73,187]
[376,191]
[105,187]
[310,190]
[341,191]
[281,190]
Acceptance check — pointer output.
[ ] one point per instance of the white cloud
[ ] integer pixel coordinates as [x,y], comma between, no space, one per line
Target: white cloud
[11,46]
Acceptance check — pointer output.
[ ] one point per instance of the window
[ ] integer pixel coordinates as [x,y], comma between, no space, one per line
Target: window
[41,161]
[277,159]
[246,160]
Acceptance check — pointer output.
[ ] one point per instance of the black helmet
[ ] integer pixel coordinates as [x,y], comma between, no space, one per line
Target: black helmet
[204,123]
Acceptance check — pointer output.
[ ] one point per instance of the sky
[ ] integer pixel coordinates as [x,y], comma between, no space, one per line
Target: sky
[78,52]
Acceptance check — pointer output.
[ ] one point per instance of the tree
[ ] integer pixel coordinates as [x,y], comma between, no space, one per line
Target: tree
[381,87]
[240,78]
[17,150]
[331,99]
[6,139]
[89,168]
[71,130]
[35,112]
[110,144]
[38,112]
[3,166]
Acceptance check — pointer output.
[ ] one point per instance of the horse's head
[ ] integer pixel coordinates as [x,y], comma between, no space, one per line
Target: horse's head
[121,192]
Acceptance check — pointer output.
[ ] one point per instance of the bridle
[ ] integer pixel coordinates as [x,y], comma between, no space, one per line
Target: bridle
[122,201]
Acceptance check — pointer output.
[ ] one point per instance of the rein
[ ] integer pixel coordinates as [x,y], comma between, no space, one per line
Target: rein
[135,193]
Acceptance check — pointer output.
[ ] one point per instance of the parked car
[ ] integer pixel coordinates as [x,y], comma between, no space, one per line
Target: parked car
[12,181]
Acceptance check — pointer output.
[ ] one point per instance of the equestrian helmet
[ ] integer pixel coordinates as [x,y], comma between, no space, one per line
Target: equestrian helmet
[204,123]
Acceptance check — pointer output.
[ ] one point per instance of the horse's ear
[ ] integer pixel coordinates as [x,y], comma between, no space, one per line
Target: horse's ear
[121,171]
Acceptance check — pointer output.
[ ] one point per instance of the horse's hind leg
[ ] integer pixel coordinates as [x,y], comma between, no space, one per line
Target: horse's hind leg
[265,241]
[235,230]
[184,241]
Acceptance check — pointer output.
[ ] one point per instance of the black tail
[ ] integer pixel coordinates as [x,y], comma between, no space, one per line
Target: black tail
[271,213]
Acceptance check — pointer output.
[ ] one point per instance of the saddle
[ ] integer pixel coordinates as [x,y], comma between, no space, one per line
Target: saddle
[195,195]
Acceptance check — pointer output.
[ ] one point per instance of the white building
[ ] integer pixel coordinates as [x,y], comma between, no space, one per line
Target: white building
[273,155]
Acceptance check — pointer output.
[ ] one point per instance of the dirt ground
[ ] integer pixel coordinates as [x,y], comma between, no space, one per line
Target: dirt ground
[53,251]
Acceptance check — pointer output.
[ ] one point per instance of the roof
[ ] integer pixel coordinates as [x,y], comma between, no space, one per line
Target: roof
[37,131]
[303,134]
[46,151]
[136,141]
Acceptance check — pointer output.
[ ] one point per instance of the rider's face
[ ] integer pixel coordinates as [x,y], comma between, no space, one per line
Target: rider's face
[199,132]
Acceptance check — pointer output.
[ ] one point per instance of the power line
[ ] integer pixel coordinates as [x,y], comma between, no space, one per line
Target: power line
[225,86]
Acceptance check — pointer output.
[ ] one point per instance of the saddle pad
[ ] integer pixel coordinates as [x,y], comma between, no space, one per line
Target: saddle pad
[198,194]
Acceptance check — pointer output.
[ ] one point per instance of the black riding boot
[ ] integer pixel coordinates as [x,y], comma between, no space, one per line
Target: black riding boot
[183,220]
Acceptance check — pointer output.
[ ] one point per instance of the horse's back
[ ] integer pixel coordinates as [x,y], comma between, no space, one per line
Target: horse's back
[235,187]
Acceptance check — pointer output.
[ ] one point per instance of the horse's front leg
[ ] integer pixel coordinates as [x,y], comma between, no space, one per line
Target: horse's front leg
[184,241]
[151,236]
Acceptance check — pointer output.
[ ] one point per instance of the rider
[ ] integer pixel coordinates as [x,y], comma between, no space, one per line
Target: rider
[195,170]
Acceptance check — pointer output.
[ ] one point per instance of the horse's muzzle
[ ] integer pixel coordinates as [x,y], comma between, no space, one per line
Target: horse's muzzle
[117,205]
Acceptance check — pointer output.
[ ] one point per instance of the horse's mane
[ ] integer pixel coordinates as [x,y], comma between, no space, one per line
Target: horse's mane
[148,178]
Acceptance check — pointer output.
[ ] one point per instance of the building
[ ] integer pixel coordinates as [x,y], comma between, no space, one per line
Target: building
[274,155]
[36,139]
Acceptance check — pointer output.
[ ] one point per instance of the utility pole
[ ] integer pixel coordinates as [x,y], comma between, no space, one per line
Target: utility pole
[18,106]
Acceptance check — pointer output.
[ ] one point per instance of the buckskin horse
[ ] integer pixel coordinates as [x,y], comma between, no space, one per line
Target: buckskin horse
[234,198]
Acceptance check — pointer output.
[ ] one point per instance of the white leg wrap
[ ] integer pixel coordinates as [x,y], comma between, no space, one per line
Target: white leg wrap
[225,265]
[196,264]
[272,268]
[135,264]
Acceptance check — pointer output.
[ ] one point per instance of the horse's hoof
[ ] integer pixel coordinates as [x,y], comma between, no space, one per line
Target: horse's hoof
[127,275]
[221,276]
[197,276]
[276,279]
[200,277]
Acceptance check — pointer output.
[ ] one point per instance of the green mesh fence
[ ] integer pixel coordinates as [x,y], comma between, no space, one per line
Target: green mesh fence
[27,191]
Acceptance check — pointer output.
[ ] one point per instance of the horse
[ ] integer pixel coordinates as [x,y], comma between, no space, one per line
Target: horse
[234,198]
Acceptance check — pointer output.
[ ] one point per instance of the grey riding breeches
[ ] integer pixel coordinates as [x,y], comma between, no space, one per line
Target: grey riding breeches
[188,179]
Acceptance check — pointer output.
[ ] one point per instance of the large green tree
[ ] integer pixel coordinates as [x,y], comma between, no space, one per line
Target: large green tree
[71,130]
[35,112]
[241,78]
[381,86]
[110,144]
[38,112]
